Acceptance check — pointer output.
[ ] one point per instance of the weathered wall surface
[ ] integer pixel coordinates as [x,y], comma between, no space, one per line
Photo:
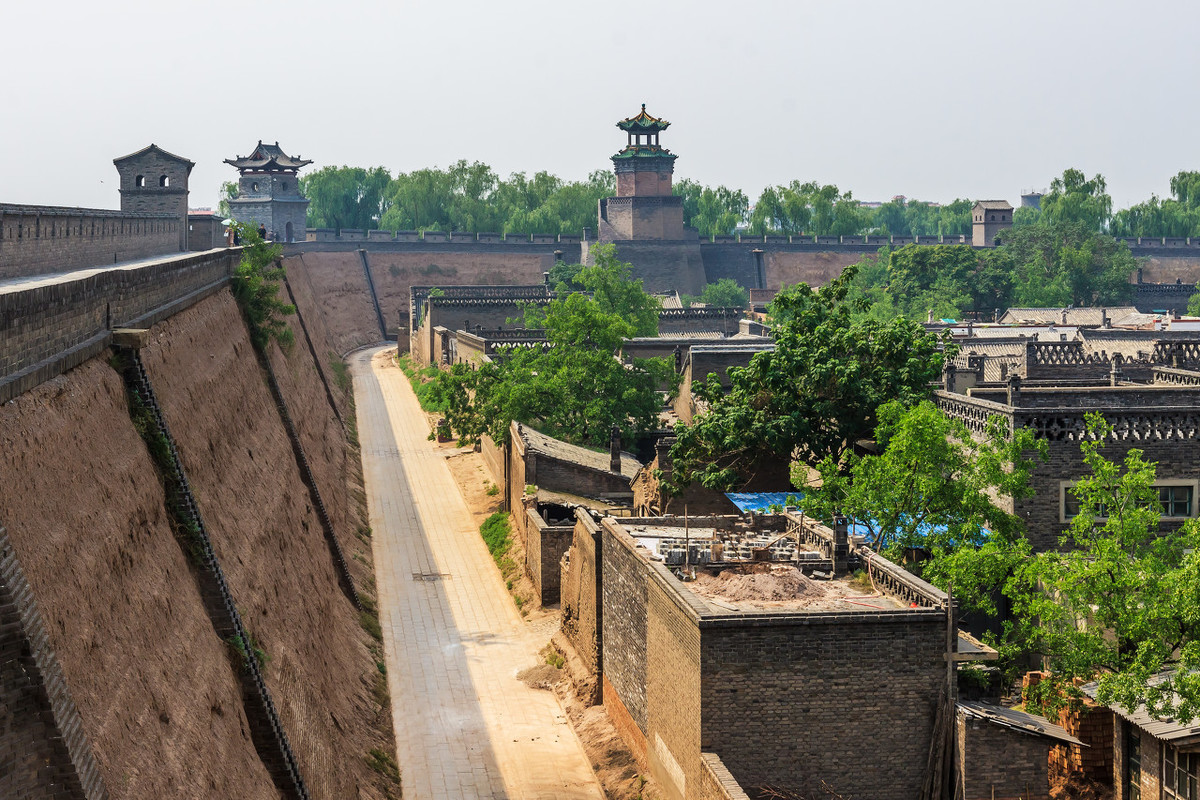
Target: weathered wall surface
[36,240]
[781,707]
[580,596]
[673,693]
[269,540]
[156,691]
[1000,763]
[1168,267]
[333,286]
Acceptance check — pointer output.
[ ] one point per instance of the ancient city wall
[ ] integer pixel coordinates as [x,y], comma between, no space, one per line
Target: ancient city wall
[157,694]
[35,240]
[49,329]
[269,539]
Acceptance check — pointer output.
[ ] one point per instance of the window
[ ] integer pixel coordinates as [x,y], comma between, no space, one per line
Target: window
[1179,774]
[283,186]
[164,181]
[254,187]
[139,181]
[1176,501]
[1133,762]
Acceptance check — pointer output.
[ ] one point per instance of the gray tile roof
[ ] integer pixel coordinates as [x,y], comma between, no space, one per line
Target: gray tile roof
[1021,721]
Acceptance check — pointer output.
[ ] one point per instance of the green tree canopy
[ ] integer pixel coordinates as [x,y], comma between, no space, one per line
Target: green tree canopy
[931,486]
[811,397]
[1119,603]
[575,387]
[1067,263]
[346,197]
[1073,199]
[725,293]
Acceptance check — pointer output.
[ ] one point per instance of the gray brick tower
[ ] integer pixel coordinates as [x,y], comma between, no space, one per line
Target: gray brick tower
[269,192]
[155,181]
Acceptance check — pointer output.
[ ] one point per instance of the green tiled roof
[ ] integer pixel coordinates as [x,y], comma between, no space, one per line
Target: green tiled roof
[643,122]
[645,151]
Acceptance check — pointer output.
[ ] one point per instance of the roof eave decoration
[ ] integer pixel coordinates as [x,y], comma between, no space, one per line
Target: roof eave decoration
[634,151]
[643,122]
[268,158]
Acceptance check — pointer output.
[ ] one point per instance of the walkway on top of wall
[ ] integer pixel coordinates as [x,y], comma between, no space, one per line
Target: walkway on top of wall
[28,282]
[454,642]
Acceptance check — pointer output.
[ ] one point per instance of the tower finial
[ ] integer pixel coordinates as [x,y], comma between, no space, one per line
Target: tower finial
[643,106]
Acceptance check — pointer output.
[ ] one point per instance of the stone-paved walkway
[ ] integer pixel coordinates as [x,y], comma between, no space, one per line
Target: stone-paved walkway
[465,726]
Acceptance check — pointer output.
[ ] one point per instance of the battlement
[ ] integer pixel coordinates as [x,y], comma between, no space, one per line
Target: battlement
[37,240]
[437,237]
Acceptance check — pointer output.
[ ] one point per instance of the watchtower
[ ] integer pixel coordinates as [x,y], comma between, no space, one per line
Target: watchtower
[645,220]
[644,207]
[988,218]
[269,191]
[155,181]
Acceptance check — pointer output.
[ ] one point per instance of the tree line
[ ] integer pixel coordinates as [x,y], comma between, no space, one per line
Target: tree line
[472,197]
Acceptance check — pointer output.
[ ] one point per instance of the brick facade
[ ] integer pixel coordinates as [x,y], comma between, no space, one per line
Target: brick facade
[1001,763]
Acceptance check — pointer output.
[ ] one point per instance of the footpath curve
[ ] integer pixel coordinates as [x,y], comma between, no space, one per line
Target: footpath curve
[453,640]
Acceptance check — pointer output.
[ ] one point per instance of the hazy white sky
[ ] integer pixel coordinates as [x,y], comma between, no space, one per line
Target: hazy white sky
[933,100]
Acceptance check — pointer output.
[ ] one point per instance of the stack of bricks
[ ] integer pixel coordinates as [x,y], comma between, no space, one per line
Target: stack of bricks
[1091,724]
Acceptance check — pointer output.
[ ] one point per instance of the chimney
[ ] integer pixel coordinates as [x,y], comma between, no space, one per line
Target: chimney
[1063,317]
[1114,372]
[841,544]
[546,278]
[948,376]
[1105,322]
[1014,390]
[614,450]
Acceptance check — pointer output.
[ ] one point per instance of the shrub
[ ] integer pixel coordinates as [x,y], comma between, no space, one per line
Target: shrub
[497,534]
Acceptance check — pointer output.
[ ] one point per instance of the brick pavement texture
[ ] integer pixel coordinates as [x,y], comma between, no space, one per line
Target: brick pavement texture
[465,726]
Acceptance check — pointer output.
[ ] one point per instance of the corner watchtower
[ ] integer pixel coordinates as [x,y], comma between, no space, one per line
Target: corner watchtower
[269,191]
[154,181]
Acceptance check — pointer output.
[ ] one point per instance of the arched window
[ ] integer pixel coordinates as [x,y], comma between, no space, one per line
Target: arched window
[283,186]
[254,187]
[139,181]
[164,181]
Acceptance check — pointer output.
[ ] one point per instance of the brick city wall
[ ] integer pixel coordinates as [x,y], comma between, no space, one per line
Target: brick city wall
[38,240]
[1000,763]
[47,329]
[43,750]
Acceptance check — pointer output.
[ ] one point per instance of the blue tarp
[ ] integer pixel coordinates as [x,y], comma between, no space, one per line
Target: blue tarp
[762,501]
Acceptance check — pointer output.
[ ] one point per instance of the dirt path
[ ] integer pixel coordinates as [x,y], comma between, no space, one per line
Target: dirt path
[454,643]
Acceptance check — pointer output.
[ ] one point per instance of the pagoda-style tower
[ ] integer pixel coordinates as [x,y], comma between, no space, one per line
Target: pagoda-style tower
[645,220]
[269,192]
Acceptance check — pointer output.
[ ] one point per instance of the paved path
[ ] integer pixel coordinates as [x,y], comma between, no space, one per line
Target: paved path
[465,726]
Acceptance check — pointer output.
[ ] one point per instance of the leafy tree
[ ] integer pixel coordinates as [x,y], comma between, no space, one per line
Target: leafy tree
[931,486]
[611,284]
[813,396]
[1119,603]
[1193,306]
[1074,199]
[575,387]
[229,190]
[725,293]
[807,208]
[1066,263]
[346,197]
[256,282]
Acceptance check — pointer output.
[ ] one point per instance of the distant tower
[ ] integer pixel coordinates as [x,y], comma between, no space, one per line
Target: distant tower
[644,207]
[1032,200]
[644,220]
[988,218]
[269,192]
[155,181]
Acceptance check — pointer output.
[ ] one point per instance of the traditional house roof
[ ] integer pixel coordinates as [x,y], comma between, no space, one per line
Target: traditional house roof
[1166,729]
[1017,720]
[268,158]
[643,122]
[994,205]
[1065,316]
[153,148]
[573,453]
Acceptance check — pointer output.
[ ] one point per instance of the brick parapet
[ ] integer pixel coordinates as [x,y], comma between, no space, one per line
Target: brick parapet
[716,782]
[49,328]
[38,240]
